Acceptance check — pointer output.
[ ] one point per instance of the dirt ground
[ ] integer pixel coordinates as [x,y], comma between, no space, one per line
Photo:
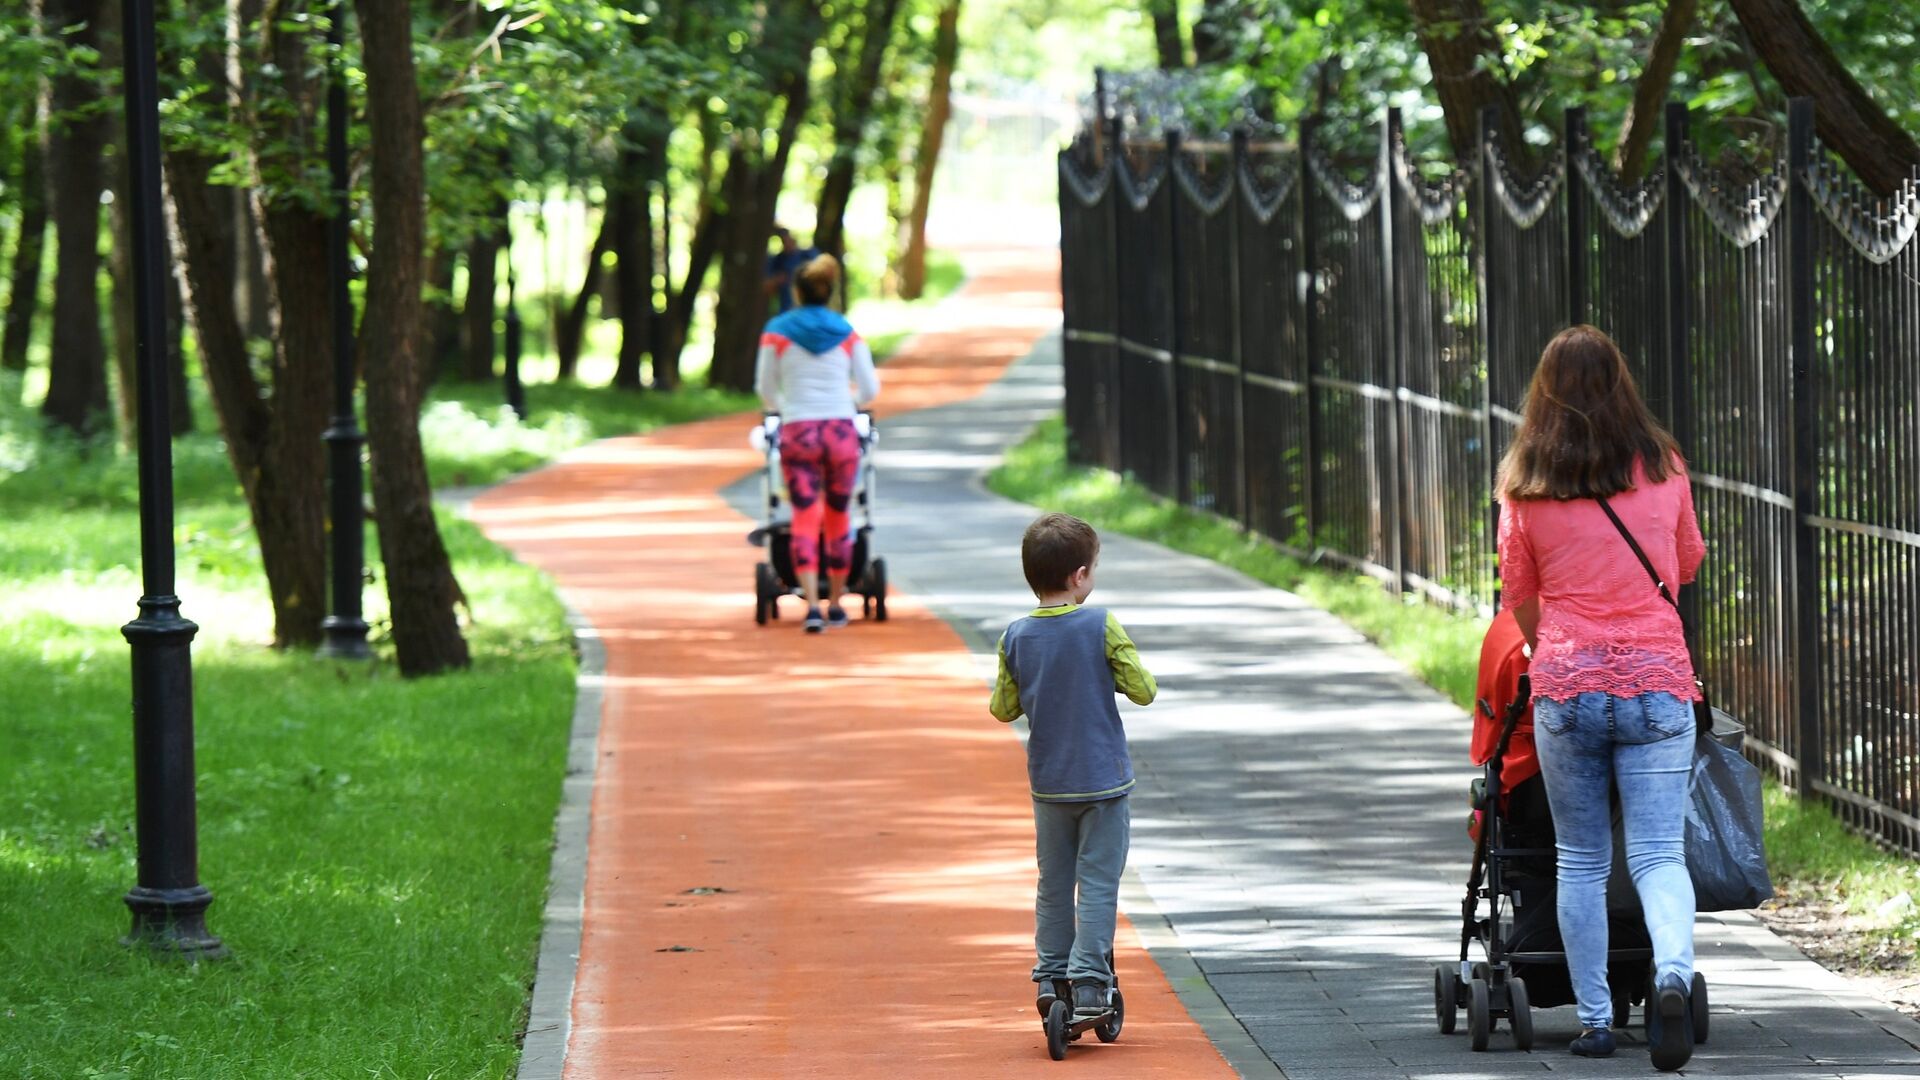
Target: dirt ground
[1817,922]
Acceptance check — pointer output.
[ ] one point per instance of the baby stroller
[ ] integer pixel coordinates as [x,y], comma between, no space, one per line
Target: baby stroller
[774,577]
[1524,965]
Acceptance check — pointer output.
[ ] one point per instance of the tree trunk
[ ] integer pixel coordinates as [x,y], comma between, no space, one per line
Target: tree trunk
[1848,121]
[1464,56]
[443,316]
[740,309]
[476,314]
[1166,34]
[707,231]
[126,398]
[77,387]
[851,110]
[572,325]
[272,434]
[178,399]
[293,529]
[913,253]
[1213,31]
[666,362]
[630,208]
[29,252]
[1650,91]
[421,589]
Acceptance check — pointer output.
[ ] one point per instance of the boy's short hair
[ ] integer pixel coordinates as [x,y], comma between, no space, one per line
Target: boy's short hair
[1054,547]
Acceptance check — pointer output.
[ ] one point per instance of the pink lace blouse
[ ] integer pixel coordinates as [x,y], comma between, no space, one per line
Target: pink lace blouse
[1603,625]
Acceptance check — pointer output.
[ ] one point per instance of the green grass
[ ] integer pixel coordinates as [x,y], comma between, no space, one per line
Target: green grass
[1440,648]
[473,439]
[377,847]
[1809,849]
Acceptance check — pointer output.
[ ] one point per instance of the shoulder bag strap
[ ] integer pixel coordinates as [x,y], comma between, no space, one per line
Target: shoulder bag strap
[1702,709]
[1639,554]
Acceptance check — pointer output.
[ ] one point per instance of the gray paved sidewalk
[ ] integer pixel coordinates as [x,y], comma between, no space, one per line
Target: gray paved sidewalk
[1299,820]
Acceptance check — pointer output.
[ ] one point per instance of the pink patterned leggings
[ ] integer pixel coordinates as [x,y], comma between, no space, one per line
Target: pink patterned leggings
[820,460]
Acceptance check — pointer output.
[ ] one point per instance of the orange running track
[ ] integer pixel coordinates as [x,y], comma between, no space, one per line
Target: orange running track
[866,818]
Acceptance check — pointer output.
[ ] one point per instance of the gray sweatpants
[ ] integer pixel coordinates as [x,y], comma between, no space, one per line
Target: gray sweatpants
[1083,844]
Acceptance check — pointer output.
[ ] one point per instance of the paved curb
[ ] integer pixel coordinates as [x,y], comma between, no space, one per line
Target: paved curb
[543,1053]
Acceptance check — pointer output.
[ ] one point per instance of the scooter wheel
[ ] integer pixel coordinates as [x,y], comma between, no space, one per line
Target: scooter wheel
[1056,1027]
[1109,1029]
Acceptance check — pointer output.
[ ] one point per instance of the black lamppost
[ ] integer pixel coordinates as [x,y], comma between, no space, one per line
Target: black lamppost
[168,902]
[516,393]
[345,629]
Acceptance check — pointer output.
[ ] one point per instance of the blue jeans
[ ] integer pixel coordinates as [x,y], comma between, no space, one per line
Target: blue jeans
[1082,848]
[1644,746]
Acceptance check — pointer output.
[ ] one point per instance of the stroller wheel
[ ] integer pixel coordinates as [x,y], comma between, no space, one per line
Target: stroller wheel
[1698,1002]
[877,588]
[765,590]
[1519,1015]
[1446,1004]
[1622,1007]
[1479,1014]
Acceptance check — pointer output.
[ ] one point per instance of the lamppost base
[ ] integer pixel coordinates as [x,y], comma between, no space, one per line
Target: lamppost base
[346,639]
[172,923]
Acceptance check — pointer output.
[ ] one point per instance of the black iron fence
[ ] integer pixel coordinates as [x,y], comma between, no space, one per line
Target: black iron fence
[1337,362]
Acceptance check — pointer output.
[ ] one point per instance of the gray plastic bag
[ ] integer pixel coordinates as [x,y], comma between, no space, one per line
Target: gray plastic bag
[1726,851]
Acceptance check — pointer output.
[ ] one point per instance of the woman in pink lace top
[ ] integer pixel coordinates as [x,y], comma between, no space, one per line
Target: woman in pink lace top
[1612,682]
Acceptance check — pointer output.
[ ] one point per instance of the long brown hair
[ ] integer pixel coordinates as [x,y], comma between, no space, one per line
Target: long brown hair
[1585,426]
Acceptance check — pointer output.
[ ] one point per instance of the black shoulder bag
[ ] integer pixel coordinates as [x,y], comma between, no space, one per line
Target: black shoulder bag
[1702,709]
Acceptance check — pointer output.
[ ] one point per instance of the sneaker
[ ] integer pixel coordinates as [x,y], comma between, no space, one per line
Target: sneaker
[814,624]
[1593,1042]
[1089,999]
[1051,990]
[836,616]
[1670,1029]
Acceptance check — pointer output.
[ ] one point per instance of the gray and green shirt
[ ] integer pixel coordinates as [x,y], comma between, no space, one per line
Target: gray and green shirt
[1060,667]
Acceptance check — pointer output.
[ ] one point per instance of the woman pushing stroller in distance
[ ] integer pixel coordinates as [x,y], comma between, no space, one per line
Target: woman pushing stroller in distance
[814,371]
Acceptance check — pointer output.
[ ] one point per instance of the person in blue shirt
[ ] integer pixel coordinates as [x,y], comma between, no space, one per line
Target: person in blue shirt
[1060,667]
[782,266]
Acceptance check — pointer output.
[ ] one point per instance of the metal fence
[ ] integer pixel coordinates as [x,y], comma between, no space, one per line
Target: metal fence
[1337,359]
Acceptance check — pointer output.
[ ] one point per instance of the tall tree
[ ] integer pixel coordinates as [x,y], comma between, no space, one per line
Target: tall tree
[946,52]
[1650,89]
[571,325]
[421,590]
[77,384]
[1466,60]
[1167,42]
[754,173]
[1846,116]
[630,214]
[483,261]
[852,108]
[29,251]
[272,428]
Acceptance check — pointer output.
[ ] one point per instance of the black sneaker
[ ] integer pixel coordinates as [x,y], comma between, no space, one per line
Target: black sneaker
[1593,1042]
[814,624]
[1670,1029]
[1051,990]
[1089,999]
[836,616]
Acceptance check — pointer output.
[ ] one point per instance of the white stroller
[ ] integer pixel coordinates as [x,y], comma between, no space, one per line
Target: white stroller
[774,578]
